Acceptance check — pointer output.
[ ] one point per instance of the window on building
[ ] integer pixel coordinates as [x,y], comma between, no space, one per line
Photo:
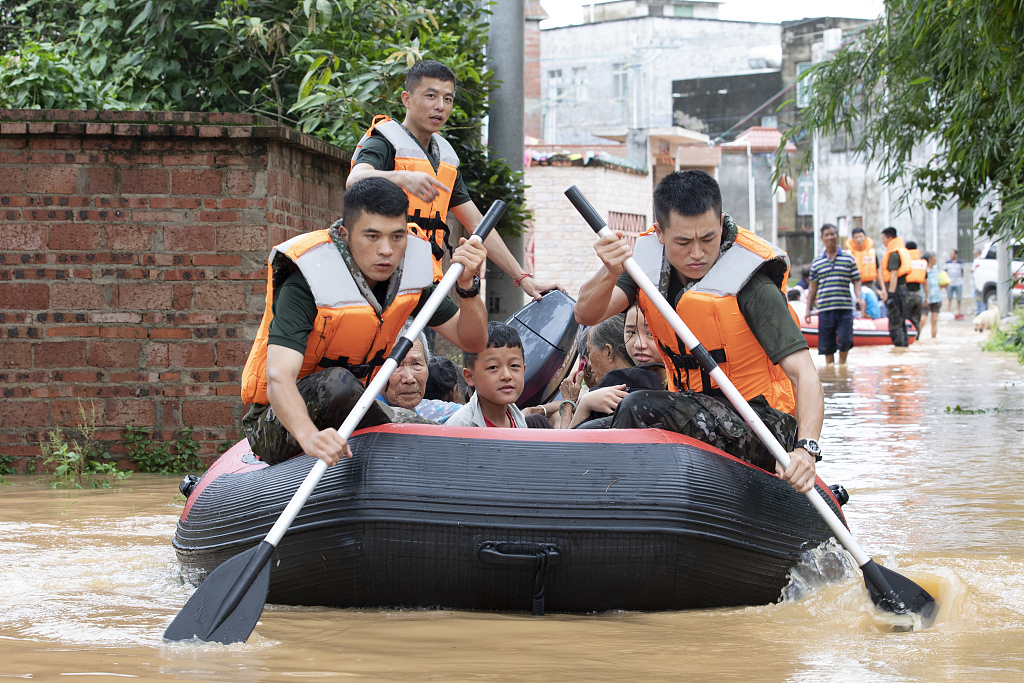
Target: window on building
[579,84]
[803,86]
[555,88]
[630,224]
[620,81]
[858,222]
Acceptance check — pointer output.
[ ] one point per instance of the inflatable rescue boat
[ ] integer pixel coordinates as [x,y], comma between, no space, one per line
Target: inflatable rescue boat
[509,519]
[866,332]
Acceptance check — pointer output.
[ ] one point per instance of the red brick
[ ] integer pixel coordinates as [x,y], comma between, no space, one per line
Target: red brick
[240,182]
[196,182]
[75,296]
[144,181]
[213,376]
[216,260]
[187,160]
[79,377]
[99,180]
[75,236]
[124,333]
[182,297]
[129,237]
[208,413]
[60,354]
[24,414]
[232,354]
[23,237]
[15,355]
[216,296]
[170,333]
[191,355]
[189,238]
[12,180]
[114,354]
[218,216]
[136,412]
[49,215]
[91,331]
[26,297]
[144,296]
[119,317]
[242,238]
[175,203]
[230,390]
[53,179]
[158,216]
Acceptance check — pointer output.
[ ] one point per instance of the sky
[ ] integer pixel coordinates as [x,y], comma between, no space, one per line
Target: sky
[563,12]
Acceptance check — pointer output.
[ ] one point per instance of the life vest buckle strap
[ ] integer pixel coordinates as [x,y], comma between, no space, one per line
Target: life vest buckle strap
[430,226]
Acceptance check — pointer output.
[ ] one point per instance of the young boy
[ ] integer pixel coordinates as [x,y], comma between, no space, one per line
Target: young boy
[498,375]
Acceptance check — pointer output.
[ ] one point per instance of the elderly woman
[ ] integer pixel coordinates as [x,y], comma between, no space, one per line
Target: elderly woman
[609,372]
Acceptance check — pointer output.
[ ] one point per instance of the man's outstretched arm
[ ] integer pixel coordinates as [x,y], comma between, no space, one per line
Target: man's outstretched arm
[599,298]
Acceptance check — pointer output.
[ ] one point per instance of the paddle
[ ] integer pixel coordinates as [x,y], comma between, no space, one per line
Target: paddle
[227,605]
[888,590]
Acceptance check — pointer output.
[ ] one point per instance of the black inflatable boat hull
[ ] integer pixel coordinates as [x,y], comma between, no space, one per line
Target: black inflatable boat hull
[464,518]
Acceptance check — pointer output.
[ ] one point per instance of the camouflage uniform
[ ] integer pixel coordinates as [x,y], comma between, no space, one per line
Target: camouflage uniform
[329,395]
[707,418]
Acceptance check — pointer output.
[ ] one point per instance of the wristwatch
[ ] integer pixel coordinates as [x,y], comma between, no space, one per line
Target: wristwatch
[811,446]
[472,291]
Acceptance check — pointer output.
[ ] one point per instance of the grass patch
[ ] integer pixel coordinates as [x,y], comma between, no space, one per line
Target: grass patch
[80,462]
[1011,340]
[159,456]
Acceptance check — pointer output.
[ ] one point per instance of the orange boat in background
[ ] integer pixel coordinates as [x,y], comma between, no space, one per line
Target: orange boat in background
[866,332]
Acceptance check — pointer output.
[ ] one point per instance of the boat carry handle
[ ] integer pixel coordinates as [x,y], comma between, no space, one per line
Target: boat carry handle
[540,556]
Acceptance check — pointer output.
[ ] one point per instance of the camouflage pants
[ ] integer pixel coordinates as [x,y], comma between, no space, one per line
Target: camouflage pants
[896,305]
[707,418]
[329,395]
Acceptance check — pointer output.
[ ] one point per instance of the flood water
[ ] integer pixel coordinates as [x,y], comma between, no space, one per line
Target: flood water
[88,579]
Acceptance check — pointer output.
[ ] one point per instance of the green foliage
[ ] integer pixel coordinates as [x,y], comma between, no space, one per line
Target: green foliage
[6,467]
[158,456]
[1011,340]
[940,70]
[72,465]
[326,66]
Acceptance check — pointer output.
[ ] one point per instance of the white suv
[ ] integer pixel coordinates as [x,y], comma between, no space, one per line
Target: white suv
[985,273]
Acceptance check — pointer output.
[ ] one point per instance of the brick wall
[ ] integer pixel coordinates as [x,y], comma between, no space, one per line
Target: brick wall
[563,243]
[133,252]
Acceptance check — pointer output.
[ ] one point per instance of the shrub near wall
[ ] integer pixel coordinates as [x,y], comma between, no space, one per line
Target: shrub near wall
[133,252]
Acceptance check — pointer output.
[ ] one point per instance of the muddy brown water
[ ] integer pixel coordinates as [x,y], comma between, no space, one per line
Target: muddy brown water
[88,579]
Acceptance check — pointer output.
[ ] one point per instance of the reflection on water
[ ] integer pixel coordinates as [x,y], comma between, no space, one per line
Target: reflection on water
[89,580]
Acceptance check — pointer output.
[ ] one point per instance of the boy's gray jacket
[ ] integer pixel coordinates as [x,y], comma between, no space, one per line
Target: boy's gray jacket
[470,415]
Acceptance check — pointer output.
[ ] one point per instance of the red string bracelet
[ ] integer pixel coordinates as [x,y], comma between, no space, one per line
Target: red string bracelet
[515,283]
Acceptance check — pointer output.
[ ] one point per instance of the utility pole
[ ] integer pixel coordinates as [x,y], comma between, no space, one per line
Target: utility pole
[505,55]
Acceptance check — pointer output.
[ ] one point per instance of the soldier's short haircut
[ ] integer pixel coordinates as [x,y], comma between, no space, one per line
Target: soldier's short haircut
[687,193]
[889,232]
[378,196]
[427,68]
[499,336]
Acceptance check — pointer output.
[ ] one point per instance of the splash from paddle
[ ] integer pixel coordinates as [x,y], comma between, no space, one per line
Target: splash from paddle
[888,590]
[227,605]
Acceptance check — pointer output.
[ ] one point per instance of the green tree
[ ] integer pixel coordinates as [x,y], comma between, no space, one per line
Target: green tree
[327,66]
[940,70]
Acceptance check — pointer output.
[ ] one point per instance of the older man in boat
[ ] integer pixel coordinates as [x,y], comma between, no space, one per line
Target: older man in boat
[727,284]
[336,300]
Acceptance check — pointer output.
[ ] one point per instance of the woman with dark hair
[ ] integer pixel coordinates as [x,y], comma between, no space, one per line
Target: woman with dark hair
[609,372]
[640,343]
[444,381]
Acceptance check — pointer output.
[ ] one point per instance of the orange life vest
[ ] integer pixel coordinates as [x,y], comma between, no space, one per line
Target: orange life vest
[918,267]
[711,310]
[349,330]
[866,259]
[895,244]
[430,217]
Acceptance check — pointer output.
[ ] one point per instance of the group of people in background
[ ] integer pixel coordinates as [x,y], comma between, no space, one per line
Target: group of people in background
[902,284]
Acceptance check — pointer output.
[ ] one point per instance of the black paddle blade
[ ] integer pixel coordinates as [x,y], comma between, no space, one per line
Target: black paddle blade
[209,614]
[896,593]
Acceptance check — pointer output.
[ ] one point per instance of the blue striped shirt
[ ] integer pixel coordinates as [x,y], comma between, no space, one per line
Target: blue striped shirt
[834,278]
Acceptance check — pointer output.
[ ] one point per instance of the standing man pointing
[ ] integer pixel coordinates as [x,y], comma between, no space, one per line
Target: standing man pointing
[414,156]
